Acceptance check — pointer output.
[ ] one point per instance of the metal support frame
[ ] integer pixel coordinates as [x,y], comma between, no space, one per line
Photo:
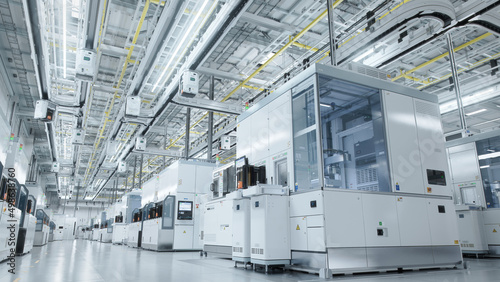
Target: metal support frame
[210,119]
[331,29]
[140,172]
[188,125]
[77,194]
[209,105]
[133,176]
[456,82]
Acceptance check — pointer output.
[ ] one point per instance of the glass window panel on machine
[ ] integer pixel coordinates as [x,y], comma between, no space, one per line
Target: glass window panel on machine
[168,212]
[353,136]
[305,141]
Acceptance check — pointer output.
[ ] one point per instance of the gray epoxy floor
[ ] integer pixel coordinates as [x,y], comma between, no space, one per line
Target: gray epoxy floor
[82,260]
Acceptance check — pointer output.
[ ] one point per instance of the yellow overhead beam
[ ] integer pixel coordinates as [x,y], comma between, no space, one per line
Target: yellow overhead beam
[280,51]
[117,87]
[475,65]
[442,56]
[244,82]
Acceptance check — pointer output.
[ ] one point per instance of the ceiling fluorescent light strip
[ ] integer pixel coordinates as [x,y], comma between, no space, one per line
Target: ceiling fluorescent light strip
[476,112]
[64,36]
[369,52]
[174,54]
[489,156]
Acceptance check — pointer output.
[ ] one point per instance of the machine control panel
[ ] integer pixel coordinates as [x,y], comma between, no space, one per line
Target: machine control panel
[313,204]
[185,210]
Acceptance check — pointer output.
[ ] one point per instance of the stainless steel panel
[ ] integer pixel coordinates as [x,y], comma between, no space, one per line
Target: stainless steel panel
[165,240]
[399,256]
[219,251]
[309,260]
[347,258]
[494,250]
[447,254]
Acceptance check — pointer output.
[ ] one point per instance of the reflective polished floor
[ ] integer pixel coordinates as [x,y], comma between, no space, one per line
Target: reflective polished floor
[82,260]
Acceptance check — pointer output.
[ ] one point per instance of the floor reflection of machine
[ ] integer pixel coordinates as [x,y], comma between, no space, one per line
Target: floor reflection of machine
[42,228]
[52,227]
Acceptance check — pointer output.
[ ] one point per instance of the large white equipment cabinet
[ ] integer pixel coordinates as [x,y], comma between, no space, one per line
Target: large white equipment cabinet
[476,185]
[365,163]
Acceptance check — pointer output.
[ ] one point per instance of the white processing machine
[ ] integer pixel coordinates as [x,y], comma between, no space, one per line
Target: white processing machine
[217,227]
[366,166]
[217,216]
[96,230]
[7,196]
[241,229]
[475,166]
[25,241]
[134,229]
[171,213]
[42,228]
[123,217]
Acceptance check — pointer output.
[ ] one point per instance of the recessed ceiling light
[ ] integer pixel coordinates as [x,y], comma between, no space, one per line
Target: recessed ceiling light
[476,112]
[363,55]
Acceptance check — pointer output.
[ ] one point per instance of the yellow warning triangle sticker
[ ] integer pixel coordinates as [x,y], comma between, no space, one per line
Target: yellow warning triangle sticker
[494,231]
[298,227]
[184,232]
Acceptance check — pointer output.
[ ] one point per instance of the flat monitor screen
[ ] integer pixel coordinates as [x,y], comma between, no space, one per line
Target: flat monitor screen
[185,206]
[436,177]
[241,162]
[185,210]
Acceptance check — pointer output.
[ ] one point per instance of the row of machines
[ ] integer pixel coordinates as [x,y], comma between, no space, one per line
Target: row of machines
[20,213]
[102,229]
[339,172]
[475,169]
[170,217]
[42,228]
[124,215]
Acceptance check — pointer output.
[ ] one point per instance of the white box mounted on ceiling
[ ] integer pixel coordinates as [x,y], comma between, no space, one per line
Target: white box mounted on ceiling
[225,142]
[55,167]
[133,106]
[111,147]
[122,167]
[140,144]
[189,84]
[85,64]
[78,136]
[44,110]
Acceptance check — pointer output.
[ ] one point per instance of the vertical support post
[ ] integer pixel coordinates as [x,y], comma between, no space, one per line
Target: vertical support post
[133,176]
[116,190]
[188,125]
[64,205]
[140,172]
[126,183]
[77,194]
[210,120]
[165,143]
[456,83]
[331,29]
